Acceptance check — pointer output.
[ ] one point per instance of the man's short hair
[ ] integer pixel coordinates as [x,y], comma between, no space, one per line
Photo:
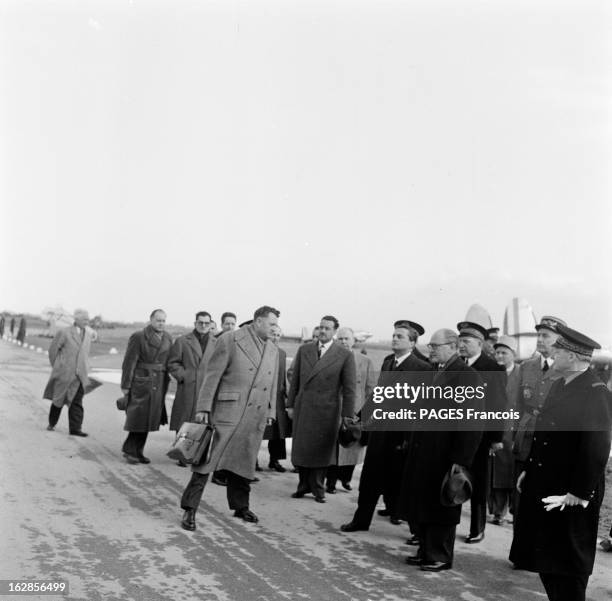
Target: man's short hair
[331,318]
[203,314]
[82,312]
[156,311]
[226,315]
[265,311]
[413,335]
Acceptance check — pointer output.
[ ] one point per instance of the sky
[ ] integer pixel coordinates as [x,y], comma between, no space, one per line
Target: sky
[372,160]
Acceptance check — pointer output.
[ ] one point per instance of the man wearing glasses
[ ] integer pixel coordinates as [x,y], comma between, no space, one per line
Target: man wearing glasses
[187,365]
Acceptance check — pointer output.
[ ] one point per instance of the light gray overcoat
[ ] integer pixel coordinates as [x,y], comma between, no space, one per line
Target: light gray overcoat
[239,390]
[69,356]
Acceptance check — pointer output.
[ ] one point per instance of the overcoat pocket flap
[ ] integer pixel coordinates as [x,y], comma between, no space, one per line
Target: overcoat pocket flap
[228,396]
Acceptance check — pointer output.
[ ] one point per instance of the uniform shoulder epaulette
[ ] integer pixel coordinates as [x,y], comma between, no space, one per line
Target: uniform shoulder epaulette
[596,384]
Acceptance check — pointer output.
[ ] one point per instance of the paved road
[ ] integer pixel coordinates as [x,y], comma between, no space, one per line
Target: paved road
[72,509]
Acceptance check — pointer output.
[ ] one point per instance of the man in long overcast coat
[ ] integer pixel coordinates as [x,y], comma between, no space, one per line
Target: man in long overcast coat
[321,396]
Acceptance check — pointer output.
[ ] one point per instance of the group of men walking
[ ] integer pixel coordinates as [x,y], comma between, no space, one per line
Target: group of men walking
[556,451]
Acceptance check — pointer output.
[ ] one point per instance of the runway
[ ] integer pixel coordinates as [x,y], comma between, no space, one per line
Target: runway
[72,509]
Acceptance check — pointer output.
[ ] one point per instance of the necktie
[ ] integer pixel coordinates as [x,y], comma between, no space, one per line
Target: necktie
[320,350]
[545,367]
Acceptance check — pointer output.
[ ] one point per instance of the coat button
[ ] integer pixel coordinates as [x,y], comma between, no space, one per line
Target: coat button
[534,439]
[545,443]
[265,389]
[530,460]
[539,465]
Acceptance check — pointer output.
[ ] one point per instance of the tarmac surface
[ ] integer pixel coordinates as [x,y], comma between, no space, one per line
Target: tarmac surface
[72,509]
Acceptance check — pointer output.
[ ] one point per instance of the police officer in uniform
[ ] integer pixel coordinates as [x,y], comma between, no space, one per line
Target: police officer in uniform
[562,485]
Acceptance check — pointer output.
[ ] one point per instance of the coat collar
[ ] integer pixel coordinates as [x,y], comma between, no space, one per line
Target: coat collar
[329,358]
[194,343]
[244,338]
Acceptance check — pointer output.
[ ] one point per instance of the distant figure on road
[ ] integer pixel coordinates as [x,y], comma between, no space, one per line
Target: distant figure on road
[321,397]
[144,380]
[1,326]
[12,326]
[69,357]
[21,332]
[187,365]
[238,396]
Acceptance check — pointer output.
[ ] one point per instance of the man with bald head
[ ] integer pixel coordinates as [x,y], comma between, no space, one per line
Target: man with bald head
[348,458]
[69,356]
[144,381]
[432,454]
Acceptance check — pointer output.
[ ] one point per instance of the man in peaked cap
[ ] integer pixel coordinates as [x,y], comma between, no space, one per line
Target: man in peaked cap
[490,340]
[471,340]
[565,470]
[384,460]
[536,379]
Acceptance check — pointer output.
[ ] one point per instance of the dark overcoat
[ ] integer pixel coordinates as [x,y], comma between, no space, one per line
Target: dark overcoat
[187,365]
[534,387]
[281,428]
[69,356]
[432,453]
[239,391]
[502,463]
[322,392]
[384,459]
[144,372]
[569,453]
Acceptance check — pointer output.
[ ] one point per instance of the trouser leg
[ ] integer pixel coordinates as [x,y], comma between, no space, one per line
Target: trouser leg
[277,449]
[499,501]
[193,492]
[75,411]
[478,502]
[437,542]
[316,480]
[332,476]
[345,473]
[134,443]
[238,491]
[54,414]
[565,587]
[303,487]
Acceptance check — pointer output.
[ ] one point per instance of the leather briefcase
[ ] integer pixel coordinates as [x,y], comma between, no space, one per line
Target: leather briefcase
[193,443]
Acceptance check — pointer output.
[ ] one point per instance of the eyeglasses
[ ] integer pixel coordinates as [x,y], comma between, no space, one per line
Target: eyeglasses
[432,347]
[203,323]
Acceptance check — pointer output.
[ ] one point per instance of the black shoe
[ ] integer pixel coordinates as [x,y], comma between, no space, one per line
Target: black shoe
[497,521]
[414,560]
[188,521]
[385,513]
[395,521]
[276,466]
[297,495]
[330,490]
[320,499]
[181,463]
[347,486]
[247,515]
[474,538]
[352,527]
[253,480]
[130,458]
[414,540]
[50,428]
[218,480]
[436,566]
[79,433]
[143,459]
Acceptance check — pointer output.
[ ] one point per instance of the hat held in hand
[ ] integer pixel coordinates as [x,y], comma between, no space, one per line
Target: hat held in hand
[456,486]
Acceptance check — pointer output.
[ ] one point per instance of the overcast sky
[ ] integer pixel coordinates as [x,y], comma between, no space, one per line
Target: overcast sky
[373,160]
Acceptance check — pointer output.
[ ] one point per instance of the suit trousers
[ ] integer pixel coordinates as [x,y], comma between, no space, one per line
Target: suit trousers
[478,502]
[312,479]
[238,491]
[565,587]
[134,443]
[437,542]
[75,412]
[344,473]
[277,449]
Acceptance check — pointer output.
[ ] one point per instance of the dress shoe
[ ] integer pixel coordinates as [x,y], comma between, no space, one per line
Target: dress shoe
[347,486]
[385,513]
[352,527]
[476,538]
[79,433]
[247,515]
[143,459]
[130,458]
[497,521]
[50,428]
[414,560]
[276,466]
[297,495]
[253,480]
[188,521]
[414,540]
[320,499]
[436,566]
[395,521]
[330,490]
[218,480]
[181,463]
